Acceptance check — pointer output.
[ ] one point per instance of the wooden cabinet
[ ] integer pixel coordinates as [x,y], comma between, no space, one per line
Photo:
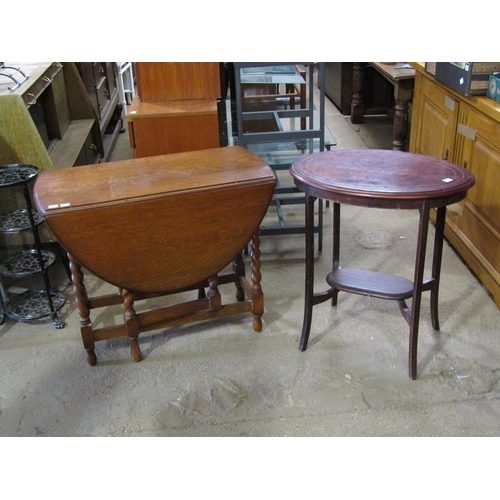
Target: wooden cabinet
[466,131]
[100,80]
[434,121]
[176,108]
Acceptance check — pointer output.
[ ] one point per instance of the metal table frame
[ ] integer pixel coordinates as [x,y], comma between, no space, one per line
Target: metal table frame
[308,139]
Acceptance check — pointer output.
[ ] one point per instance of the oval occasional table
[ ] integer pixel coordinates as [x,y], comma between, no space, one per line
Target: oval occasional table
[379,179]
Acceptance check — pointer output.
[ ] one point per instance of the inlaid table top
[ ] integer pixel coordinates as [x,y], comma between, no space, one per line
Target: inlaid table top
[380,177]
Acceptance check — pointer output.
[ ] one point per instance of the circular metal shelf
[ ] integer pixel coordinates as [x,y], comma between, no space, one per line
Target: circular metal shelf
[26,263]
[34,304]
[11,175]
[19,220]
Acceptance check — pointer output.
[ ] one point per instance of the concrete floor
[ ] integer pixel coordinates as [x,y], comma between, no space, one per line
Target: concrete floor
[220,378]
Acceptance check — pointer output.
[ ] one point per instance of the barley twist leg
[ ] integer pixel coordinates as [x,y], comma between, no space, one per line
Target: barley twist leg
[257,295]
[83,305]
[131,324]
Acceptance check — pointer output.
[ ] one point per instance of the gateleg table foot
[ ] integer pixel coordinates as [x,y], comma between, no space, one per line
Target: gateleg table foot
[132,325]
[91,357]
[257,297]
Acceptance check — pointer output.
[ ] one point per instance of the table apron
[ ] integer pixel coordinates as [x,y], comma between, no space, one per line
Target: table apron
[375,202]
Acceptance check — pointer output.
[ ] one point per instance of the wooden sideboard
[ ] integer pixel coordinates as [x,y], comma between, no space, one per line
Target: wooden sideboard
[465,131]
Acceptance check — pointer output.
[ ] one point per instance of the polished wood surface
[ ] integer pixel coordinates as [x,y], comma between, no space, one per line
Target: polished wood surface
[159,128]
[150,215]
[380,179]
[174,81]
[161,225]
[394,71]
[141,109]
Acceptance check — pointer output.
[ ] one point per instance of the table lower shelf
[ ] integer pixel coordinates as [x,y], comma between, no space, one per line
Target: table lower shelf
[374,284]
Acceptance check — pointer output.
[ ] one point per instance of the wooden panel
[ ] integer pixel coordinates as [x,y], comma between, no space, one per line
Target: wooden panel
[61,110]
[473,225]
[186,231]
[436,125]
[174,134]
[476,228]
[484,163]
[67,150]
[168,81]
[172,127]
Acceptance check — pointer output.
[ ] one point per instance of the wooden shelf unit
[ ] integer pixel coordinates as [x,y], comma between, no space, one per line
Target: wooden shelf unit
[101,81]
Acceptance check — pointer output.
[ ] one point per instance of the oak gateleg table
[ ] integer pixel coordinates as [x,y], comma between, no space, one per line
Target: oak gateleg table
[379,179]
[160,225]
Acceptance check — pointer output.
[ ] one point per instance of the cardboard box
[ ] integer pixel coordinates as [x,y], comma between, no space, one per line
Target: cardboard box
[494,87]
[466,78]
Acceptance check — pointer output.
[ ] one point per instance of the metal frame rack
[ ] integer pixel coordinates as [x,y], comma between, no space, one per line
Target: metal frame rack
[307,138]
[30,304]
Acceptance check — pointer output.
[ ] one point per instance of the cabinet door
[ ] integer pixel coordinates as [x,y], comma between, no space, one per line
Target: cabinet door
[478,224]
[434,120]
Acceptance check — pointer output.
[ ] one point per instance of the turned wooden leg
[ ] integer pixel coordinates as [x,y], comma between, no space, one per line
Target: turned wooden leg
[357,103]
[214,298]
[82,303]
[403,92]
[257,295]
[131,324]
[239,272]
[400,126]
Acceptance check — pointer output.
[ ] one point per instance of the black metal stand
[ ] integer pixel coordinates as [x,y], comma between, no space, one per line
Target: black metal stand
[32,304]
